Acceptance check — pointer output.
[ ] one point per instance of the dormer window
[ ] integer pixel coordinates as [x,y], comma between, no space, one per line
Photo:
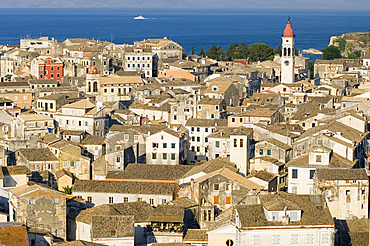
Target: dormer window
[215,88]
[254,100]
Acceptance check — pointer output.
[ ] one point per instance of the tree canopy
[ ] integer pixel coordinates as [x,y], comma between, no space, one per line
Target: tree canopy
[201,53]
[216,53]
[260,52]
[331,52]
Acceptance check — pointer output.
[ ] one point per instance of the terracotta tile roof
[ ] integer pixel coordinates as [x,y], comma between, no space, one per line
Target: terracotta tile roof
[124,187]
[211,166]
[13,234]
[140,210]
[232,176]
[150,171]
[222,87]
[341,174]
[196,235]
[82,104]
[263,175]
[103,226]
[38,154]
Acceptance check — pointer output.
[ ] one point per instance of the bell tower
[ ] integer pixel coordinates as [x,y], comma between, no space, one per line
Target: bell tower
[287,59]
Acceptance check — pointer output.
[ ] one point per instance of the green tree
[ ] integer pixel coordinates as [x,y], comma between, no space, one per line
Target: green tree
[67,190]
[243,51]
[277,50]
[220,54]
[331,52]
[233,52]
[295,51]
[216,53]
[192,50]
[201,53]
[311,67]
[260,52]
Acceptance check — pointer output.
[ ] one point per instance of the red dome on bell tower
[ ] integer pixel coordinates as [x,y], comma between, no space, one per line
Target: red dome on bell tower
[288,31]
[93,70]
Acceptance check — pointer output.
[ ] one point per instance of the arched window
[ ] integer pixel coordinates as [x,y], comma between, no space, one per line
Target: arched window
[89,87]
[235,143]
[205,215]
[241,143]
[209,215]
[95,87]
[284,51]
[229,242]
[289,51]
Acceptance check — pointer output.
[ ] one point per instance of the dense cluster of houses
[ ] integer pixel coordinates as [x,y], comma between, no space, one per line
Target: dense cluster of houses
[106,144]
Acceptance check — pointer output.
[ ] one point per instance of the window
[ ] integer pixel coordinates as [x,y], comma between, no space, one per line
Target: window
[56,200]
[71,163]
[232,119]
[229,242]
[173,157]
[164,156]
[256,239]
[216,200]
[303,124]
[206,140]
[7,180]
[37,166]
[261,151]
[125,199]
[110,199]
[294,239]
[175,117]
[217,144]
[155,145]
[228,200]
[325,238]
[198,129]
[227,186]
[193,139]
[216,186]
[31,201]
[198,139]
[294,189]
[89,199]
[206,129]
[312,173]
[173,145]
[164,201]
[164,145]
[276,239]
[139,199]
[294,173]
[241,143]
[49,166]
[318,158]
[269,152]
[235,143]
[65,163]
[154,156]
[151,202]
[212,116]
[309,239]
[275,215]
[293,216]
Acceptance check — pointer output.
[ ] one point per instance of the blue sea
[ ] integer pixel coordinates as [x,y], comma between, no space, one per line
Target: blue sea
[198,28]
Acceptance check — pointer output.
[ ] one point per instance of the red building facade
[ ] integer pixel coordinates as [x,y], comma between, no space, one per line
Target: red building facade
[50,68]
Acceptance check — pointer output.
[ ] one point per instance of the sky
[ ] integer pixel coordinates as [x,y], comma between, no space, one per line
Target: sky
[190,4]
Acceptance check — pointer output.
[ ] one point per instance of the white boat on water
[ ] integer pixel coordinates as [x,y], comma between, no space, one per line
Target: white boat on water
[140,17]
